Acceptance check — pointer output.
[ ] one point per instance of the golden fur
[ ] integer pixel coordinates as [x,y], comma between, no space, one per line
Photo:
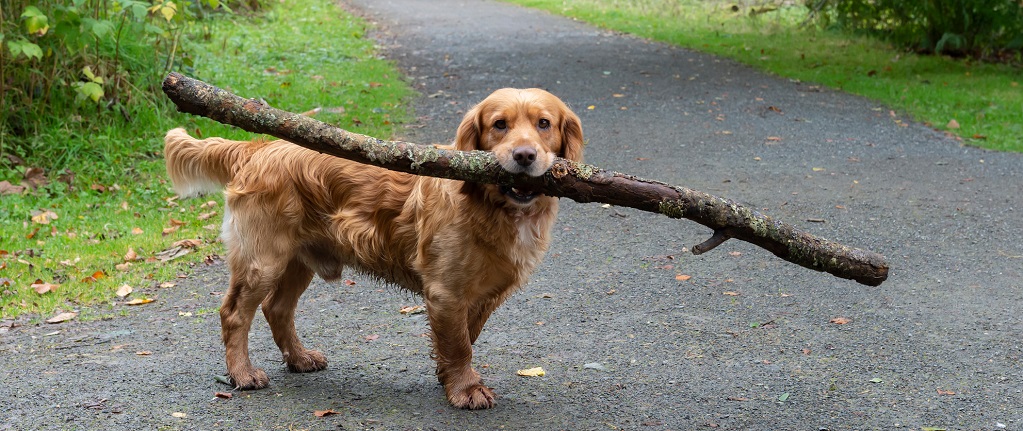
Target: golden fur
[464,247]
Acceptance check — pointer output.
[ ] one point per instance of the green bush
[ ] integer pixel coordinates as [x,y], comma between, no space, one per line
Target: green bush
[991,29]
[80,65]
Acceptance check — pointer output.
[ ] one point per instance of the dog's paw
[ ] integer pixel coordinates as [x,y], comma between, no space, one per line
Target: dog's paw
[306,362]
[475,397]
[254,378]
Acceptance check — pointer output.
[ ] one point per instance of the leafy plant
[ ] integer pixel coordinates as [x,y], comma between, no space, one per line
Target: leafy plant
[979,28]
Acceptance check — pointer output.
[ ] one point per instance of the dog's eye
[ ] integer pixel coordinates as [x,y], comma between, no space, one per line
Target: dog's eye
[544,123]
[500,125]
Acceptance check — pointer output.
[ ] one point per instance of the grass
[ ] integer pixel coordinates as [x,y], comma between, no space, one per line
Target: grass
[985,100]
[105,228]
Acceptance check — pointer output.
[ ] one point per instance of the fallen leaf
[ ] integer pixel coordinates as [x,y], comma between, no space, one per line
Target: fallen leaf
[35,178]
[131,255]
[205,216]
[6,188]
[952,124]
[123,291]
[175,222]
[179,415]
[349,282]
[188,243]
[412,309]
[123,267]
[876,380]
[139,301]
[738,399]
[818,169]
[167,284]
[143,353]
[732,293]
[840,320]
[324,413]
[40,287]
[169,230]
[136,231]
[683,277]
[735,253]
[172,253]
[371,337]
[774,138]
[32,234]
[62,317]
[945,392]
[532,372]
[43,216]
[224,395]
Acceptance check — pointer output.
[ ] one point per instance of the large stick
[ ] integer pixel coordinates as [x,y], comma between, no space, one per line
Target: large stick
[577,181]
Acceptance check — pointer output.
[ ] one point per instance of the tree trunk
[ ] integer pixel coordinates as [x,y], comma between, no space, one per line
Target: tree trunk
[577,181]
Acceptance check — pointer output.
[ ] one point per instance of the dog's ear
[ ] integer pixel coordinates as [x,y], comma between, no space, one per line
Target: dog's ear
[571,136]
[467,138]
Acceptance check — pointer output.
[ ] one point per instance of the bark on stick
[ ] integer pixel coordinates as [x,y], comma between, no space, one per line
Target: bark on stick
[577,181]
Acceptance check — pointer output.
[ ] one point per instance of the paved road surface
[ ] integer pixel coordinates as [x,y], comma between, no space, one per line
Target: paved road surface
[745,343]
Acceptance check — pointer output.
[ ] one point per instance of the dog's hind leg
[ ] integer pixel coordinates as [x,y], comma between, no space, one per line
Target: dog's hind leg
[279,310]
[247,289]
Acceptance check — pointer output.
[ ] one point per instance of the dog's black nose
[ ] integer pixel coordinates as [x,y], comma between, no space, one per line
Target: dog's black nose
[524,156]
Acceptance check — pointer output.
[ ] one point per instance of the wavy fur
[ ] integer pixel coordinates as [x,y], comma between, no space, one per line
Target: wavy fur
[464,247]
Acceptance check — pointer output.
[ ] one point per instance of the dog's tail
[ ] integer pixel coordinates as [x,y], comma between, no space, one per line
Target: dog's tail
[200,166]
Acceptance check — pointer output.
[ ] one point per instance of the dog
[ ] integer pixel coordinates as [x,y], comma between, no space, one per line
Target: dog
[464,247]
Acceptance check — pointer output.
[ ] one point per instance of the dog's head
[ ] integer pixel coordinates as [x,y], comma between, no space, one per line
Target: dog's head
[525,129]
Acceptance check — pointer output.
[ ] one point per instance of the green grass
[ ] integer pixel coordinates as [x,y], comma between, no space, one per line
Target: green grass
[299,56]
[986,100]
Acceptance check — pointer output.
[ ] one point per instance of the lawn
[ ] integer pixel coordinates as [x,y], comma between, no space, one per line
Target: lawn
[106,221]
[982,104]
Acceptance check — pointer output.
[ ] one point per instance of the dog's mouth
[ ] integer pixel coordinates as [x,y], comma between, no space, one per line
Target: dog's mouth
[520,195]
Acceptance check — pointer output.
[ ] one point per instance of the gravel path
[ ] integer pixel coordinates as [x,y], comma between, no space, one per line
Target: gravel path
[633,332]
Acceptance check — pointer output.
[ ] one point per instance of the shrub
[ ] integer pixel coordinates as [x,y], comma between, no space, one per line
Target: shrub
[976,28]
[79,64]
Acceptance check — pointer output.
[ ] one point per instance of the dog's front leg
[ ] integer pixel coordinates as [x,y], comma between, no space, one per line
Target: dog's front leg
[448,315]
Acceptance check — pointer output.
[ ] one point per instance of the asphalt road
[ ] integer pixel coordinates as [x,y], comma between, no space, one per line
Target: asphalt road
[746,342]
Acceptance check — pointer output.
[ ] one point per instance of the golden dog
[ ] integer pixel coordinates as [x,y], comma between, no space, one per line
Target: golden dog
[293,212]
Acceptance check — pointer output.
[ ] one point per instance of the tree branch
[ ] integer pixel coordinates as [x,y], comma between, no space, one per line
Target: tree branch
[577,181]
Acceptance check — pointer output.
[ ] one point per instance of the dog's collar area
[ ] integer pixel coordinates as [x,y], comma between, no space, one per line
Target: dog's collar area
[518,194]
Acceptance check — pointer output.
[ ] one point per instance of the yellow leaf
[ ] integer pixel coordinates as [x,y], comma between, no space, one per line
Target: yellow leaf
[139,301]
[818,169]
[532,372]
[591,107]
[43,216]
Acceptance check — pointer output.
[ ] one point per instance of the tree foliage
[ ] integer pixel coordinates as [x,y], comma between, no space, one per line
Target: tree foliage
[976,28]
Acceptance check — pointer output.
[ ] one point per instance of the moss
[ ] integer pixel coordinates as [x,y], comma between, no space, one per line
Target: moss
[672,208]
[585,171]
